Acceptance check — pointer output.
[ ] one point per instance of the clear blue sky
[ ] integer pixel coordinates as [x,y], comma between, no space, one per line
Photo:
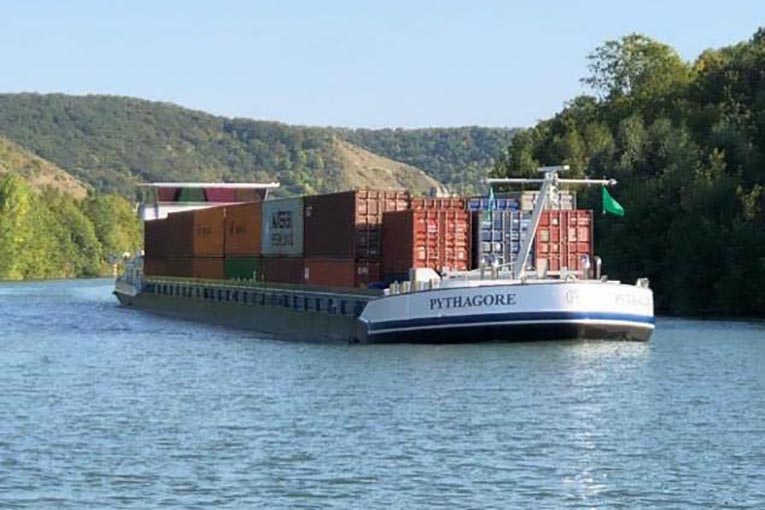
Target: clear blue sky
[344,62]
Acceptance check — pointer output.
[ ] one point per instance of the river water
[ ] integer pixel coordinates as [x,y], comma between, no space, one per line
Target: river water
[106,407]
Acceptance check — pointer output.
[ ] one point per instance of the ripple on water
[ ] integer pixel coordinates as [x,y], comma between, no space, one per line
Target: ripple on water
[107,407]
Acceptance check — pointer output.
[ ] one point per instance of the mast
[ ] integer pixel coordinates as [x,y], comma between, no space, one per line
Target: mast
[548,194]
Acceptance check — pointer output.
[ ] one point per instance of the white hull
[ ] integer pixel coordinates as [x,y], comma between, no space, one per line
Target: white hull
[511,311]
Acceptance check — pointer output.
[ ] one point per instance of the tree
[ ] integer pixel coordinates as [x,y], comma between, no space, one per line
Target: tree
[637,68]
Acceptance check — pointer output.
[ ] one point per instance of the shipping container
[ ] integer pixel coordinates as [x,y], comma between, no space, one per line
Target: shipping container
[497,204]
[283,269]
[154,267]
[348,225]
[197,233]
[562,239]
[243,229]
[282,227]
[208,268]
[156,239]
[243,268]
[566,200]
[341,273]
[439,203]
[432,238]
[497,236]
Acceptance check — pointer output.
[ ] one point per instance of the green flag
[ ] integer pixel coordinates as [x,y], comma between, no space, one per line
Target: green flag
[611,205]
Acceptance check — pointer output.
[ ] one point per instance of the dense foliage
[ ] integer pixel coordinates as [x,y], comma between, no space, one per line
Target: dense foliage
[50,234]
[458,157]
[687,144]
[114,142]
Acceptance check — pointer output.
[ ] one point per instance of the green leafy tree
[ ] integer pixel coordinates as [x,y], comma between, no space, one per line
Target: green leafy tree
[687,144]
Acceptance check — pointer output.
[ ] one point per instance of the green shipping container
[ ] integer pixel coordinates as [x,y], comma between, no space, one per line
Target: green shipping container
[243,268]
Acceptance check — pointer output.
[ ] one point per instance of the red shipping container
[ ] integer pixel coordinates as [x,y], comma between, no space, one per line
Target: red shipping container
[283,269]
[562,238]
[439,203]
[207,268]
[341,273]
[243,229]
[155,239]
[347,225]
[197,233]
[154,267]
[434,238]
[180,267]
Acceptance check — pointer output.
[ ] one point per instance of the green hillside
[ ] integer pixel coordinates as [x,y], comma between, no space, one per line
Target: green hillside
[687,143]
[38,172]
[458,157]
[113,142]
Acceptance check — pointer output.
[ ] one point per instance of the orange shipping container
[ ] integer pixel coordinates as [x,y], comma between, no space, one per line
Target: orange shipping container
[243,229]
[434,238]
[341,273]
[197,233]
[283,269]
[562,238]
[348,225]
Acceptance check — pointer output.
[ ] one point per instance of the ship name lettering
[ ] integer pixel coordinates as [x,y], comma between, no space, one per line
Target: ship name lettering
[496,299]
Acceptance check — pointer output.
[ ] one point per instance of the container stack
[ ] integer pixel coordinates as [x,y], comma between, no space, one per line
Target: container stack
[434,234]
[563,240]
[356,238]
[282,233]
[195,243]
[497,236]
[156,247]
[343,235]
[243,241]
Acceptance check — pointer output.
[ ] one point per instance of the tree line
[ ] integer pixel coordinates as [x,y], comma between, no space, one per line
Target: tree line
[686,141]
[49,234]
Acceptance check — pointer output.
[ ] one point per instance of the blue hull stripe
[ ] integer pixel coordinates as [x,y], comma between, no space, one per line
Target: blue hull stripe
[507,317]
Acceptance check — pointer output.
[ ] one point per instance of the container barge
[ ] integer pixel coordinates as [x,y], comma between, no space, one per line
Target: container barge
[381,266]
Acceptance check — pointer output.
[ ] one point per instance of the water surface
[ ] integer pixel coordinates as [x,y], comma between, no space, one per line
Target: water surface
[107,407]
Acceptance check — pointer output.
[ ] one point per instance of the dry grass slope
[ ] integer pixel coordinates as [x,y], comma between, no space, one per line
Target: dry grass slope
[39,172]
[362,169]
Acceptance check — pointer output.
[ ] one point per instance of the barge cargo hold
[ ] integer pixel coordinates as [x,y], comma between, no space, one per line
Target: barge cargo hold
[330,292]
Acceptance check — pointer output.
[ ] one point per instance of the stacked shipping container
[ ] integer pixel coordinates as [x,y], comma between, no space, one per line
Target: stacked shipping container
[195,243]
[563,237]
[356,238]
[497,236]
[243,241]
[433,238]
[343,235]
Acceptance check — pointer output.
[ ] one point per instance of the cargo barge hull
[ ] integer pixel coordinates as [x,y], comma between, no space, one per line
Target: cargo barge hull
[504,312]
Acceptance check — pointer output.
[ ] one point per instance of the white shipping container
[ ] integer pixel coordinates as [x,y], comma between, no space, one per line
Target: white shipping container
[566,200]
[283,227]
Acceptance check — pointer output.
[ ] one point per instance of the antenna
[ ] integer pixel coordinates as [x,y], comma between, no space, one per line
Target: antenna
[548,193]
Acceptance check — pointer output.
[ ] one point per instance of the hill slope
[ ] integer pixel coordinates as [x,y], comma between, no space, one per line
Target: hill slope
[362,168]
[458,157]
[37,171]
[114,142]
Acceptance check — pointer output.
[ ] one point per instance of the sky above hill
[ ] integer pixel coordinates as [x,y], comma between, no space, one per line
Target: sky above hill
[348,63]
